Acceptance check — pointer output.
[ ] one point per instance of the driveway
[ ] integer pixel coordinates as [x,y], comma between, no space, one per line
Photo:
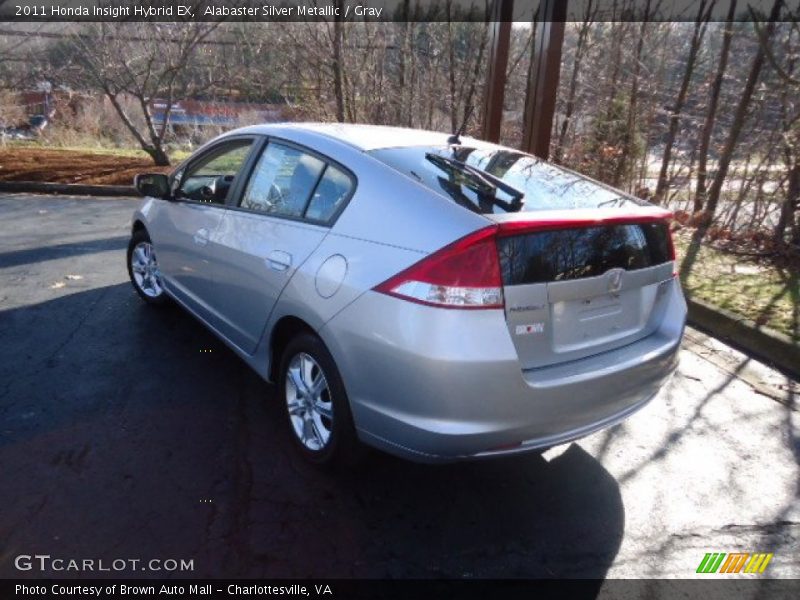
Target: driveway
[131,433]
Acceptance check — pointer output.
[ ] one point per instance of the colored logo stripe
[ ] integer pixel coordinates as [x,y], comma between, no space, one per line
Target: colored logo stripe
[757,563]
[710,562]
[735,562]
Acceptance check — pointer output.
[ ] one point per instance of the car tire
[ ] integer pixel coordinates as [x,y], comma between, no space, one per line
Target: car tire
[317,410]
[143,269]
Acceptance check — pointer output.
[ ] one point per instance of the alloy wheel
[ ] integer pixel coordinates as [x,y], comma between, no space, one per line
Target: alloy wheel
[144,268]
[309,402]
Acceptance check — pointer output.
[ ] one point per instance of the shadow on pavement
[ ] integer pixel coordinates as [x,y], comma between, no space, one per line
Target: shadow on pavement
[42,253]
[129,432]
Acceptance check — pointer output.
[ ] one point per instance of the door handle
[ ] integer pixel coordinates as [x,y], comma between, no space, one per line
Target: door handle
[201,237]
[279,260]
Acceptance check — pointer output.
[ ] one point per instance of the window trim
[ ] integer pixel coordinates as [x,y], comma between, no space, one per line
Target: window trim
[255,148]
[234,200]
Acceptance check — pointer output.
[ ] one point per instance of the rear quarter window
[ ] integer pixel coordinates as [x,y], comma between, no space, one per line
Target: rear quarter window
[331,192]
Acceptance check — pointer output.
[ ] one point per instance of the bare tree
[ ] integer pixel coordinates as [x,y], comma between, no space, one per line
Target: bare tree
[629,137]
[337,41]
[731,140]
[738,121]
[789,216]
[147,62]
[580,51]
[711,113]
[703,14]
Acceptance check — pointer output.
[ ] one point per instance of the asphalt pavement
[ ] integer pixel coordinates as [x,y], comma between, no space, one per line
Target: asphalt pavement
[128,432]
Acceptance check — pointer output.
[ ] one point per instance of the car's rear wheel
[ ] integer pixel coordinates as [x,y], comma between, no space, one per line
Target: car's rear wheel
[143,269]
[317,409]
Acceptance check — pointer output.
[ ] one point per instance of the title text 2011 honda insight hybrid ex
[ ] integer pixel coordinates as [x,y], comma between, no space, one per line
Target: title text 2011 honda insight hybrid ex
[435,297]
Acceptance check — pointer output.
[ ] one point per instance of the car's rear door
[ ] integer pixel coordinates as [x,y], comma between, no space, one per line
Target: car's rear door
[282,214]
[574,289]
[183,228]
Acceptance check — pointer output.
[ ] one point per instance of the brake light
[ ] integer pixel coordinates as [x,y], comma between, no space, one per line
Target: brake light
[577,220]
[671,250]
[465,274]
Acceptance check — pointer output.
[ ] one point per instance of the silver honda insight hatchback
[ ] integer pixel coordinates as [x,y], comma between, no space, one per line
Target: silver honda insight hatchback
[439,298]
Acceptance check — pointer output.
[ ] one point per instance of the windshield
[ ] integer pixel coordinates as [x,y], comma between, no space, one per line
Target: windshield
[531,184]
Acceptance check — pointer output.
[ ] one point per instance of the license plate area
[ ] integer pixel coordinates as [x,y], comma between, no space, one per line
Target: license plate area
[585,322]
[597,311]
[562,321]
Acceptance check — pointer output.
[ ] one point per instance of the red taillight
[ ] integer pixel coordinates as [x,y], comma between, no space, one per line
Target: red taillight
[465,274]
[671,250]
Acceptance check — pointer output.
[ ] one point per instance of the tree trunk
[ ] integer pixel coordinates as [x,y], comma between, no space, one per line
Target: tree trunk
[470,81]
[156,151]
[408,121]
[573,84]
[338,87]
[738,122]
[789,208]
[711,114]
[452,73]
[617,32]
[400,107]
[652,102]
[791,158]
[730,144]
[158,155]
[630,130]
[675,114]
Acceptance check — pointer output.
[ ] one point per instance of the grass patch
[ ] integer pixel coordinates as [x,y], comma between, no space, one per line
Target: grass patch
[757,291]
[176,156]
[87,149]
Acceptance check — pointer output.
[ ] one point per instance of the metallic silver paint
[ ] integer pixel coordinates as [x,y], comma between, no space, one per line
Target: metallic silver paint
[425,383]
[330,275]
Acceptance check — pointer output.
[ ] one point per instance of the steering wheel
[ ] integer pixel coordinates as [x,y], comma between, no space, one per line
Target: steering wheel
[208,192]
[275,196]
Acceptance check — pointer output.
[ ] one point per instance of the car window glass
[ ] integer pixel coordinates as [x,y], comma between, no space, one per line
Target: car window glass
[333,188]
[282,181]
[545,186]
[211,178]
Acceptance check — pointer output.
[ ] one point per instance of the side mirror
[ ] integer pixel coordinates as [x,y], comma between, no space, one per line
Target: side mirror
[153,184]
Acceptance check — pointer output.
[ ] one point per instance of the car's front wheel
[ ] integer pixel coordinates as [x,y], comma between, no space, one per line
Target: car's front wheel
[143,269]
[317,408]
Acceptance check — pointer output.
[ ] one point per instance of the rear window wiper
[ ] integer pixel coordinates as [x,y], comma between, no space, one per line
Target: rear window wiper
[489,182]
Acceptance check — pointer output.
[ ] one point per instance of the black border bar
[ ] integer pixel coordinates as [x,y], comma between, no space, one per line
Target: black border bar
[733,587]
[370,10]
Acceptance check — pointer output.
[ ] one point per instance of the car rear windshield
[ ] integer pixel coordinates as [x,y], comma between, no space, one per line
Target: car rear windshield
[543,186]
[564,254]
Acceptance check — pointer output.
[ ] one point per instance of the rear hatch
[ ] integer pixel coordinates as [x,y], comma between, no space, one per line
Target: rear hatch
[584,284]
[585,268]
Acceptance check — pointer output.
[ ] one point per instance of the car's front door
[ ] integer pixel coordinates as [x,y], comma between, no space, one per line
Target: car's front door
[282,216]
[183,229]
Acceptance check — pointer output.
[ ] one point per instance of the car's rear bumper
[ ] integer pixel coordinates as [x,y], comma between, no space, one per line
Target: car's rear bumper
[439,385]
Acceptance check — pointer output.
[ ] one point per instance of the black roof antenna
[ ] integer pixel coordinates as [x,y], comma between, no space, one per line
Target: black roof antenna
[455,139]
